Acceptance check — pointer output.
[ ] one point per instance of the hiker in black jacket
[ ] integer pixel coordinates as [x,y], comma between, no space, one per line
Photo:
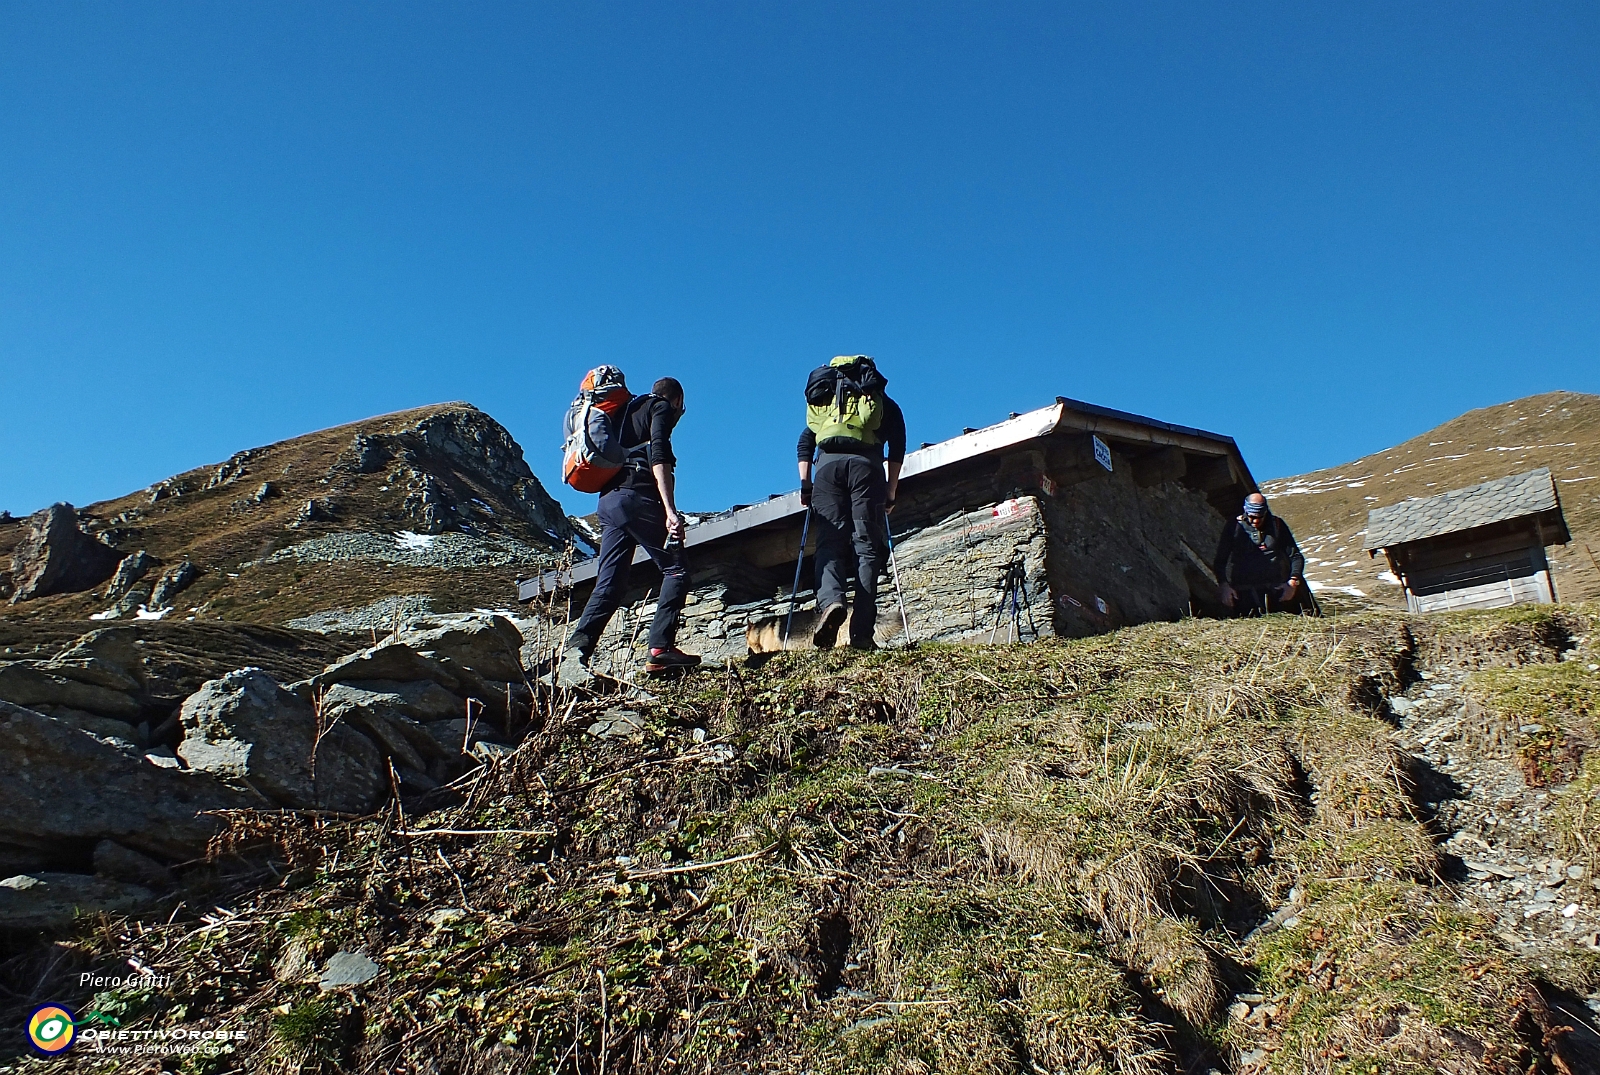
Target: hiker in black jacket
[845,476]
[1259,567]
[638,509]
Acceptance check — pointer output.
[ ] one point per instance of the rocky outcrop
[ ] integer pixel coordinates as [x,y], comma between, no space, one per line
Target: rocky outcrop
[120,863]
[446,462]
[56,556]
[244,727]
[61,787]
[490,646]
[51,901]
[35,683]
[413,695]
[393,661]
[172,582]
[87,784]
[100,675]
[469,656]
[420,701]
[129,571]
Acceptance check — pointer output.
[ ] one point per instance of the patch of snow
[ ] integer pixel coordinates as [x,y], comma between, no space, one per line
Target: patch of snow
[1588,479]
[1323,587]
[1527,447]
[407,540]
[147,614]
[1389,577]
[108,614]
[1300,486]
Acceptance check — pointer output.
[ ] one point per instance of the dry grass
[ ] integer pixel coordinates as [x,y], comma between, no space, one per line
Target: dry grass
[1040,858]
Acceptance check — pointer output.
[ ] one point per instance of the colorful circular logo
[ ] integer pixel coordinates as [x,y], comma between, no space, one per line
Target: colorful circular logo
[51,1029]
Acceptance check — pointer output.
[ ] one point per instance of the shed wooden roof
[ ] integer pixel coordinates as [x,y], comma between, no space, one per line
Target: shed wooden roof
[1489,502]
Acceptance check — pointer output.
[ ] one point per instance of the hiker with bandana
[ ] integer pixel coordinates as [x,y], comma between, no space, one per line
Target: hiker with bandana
[1259,567]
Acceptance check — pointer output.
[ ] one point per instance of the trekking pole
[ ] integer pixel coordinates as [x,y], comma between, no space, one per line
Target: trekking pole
[805,532]
[905,622]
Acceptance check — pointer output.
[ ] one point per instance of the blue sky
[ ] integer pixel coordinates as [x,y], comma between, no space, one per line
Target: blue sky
[1321,228]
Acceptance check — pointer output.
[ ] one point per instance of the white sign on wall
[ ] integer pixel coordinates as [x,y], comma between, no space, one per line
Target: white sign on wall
[1102,454]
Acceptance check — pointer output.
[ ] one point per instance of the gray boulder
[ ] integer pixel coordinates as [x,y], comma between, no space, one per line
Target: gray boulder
[382,717]
[388,660]
[129,571]
[56,556]
[31,683]
[488,646]
[59,785]
[120,863]
[99,727]
[172,582]
[452,735]
[51,901]
[245,727]
[422,700]
[111,657]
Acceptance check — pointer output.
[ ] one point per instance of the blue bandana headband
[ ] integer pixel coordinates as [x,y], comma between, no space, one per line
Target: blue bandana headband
[1254,509]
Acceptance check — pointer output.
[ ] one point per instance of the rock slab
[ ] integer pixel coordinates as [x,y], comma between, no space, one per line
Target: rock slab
[245,727]
[60,786]
[56,556]
[50,901]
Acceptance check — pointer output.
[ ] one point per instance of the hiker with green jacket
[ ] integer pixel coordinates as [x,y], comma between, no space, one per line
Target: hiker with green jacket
[846,478]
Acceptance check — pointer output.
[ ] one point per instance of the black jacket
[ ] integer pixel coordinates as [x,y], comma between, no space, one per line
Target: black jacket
[647,434]
[1255,559]
[891,435]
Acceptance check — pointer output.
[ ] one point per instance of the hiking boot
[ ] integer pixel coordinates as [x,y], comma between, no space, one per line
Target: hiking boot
[865,645]
[663,659]
[827,632]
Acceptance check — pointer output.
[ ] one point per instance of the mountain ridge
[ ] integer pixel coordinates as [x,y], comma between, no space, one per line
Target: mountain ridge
[413,496]
[1327,508]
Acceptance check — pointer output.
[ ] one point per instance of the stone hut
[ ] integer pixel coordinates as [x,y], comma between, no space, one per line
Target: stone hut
[1070,520]
[1478,547]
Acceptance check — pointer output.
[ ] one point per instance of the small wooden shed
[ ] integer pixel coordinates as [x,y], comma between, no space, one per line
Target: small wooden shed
[1478,547]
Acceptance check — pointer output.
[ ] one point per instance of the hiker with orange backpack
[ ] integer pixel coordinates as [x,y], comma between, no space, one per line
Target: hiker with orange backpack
[621,447]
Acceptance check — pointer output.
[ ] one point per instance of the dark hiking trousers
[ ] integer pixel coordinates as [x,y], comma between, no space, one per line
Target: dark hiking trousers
[848,494]
[1259,601]
[630,519]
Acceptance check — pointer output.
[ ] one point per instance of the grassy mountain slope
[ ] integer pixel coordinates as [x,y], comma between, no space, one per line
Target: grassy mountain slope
[1172,848]
[1560,430]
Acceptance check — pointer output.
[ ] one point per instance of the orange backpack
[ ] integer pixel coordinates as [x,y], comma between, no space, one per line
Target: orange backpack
[592,451]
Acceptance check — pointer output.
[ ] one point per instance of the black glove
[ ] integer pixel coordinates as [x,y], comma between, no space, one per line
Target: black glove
[805,494]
